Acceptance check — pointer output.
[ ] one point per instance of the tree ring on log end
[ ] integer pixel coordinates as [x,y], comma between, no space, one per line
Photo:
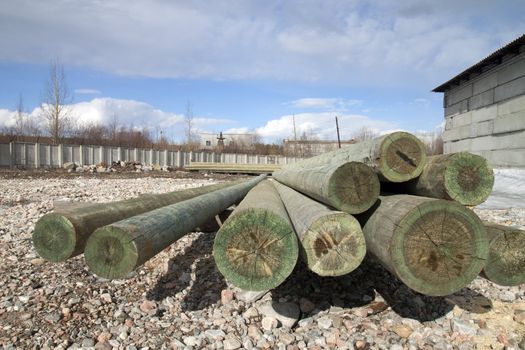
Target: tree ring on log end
[439,247]
[468,178]
[353,188]
[402,157]
[256,249]
[111,253]
[506,262]
[334,245]
[54,237]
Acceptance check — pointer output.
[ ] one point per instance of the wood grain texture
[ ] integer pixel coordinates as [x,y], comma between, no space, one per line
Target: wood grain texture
[351,187]
[435,247]
[114,250]
[63,234]
[331,242]
[464,177]
[256,248]
[506,262]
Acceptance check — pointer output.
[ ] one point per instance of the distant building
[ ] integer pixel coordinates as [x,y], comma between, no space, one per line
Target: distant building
[310,148]
[485,107]
[214,141]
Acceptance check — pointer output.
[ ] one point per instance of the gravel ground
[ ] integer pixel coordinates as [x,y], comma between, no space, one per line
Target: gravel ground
[179,300]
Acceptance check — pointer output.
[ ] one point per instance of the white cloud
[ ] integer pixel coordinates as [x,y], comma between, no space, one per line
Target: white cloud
[351,43]
[319,125]
[128,112]
[325,103]
[87,91]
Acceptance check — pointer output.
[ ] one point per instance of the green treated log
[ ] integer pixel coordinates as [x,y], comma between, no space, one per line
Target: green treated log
[114,250]
[464,177]
[256,248]
[435,247]
[395,157]
[351,187]
[332,243]
[506,262]
[63,234]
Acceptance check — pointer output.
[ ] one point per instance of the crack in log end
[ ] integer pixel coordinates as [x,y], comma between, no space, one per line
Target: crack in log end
[468,178]
[404,155]
[110,251]
[255,253]
[438,251]
[54,237]
[506,261]
[354,187]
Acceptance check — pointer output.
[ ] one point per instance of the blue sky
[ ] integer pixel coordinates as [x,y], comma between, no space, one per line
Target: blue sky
[249,65]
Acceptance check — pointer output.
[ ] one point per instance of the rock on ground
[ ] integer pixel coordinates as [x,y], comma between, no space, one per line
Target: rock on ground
[176,299]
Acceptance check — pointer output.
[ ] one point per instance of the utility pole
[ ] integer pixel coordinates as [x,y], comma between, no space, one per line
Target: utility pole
[337,128]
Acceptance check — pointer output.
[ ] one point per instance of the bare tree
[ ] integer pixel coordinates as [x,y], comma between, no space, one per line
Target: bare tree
[113,128]
[20,122]
[365,133]
[55,109]
[25,124]
[189,121]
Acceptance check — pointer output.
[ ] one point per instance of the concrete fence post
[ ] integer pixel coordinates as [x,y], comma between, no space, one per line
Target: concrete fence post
[151,156]
[101,154]
[135,155]
[246,158]
[37,155]
[119,154]
[165,157]
[11,154]
[179,159]
[60,155]
[81,151]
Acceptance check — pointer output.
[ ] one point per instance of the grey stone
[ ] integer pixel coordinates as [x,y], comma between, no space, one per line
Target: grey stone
[462,327]
[324,322]
[507,296]
[88,342]
[248,296]
[269,323]
[231,344]
[286,313]
[190,341]
[214,333]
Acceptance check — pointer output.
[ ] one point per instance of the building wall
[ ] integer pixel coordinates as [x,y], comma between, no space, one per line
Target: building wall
[209,141]
[486,115]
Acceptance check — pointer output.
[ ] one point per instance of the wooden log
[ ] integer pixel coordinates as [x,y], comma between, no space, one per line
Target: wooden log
[464,177]
[395,157]
[63,234]
[351,187]
[114,250]
[435,247]
[256,248]
[506,262]
[332,243]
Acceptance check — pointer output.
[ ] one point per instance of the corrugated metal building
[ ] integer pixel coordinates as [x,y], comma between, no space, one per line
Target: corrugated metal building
[485,107]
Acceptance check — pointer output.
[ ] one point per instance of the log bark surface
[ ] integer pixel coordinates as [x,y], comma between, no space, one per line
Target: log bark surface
[115,250]
[464,177]
[506,262]
[435,247]
[63,234]
[351,187]
[332,243]
[256,248]
[395,157]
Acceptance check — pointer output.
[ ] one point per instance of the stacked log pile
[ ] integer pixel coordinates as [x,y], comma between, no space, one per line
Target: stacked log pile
[383,197]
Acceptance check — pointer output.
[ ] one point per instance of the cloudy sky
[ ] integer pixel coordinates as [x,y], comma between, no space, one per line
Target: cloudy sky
[250,65]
